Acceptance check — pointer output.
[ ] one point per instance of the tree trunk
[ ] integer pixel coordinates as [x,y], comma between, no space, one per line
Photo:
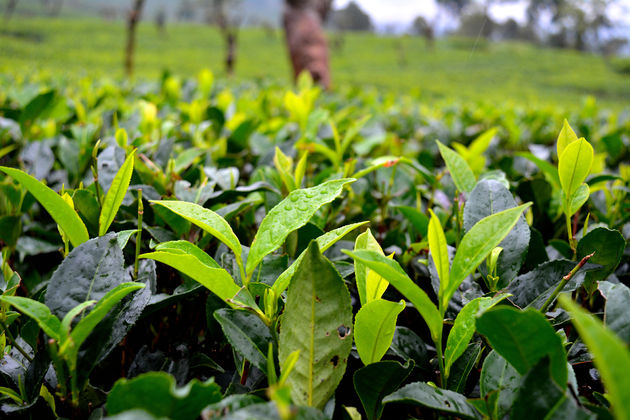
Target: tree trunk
[132,21]
[8,12]
[306,42]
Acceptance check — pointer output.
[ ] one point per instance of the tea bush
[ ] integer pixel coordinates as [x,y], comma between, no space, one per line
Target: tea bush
[194,247]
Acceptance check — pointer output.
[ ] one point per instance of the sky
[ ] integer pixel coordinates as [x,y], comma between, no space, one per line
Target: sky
[384,12]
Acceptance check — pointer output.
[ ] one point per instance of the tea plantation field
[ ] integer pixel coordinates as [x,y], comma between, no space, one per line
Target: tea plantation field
[186,246]
[456,69]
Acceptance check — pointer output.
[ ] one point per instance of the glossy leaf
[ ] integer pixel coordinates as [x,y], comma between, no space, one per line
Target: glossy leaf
[477,243]
[577,199]
[462,175]
[115,194]
[616,314]
[533,288]
[362,274]
[490,197]
[38,312]
[207,220]
[539,397]
[59,210]
[247,334]
[186,247]
[608,245]
[439,252]
[374,328]
[396,276]
[89,272]
[566,137]
[574,165]
[464,328]
[157,393]
[217,280]
[373,382]
[523,338]
[290,214]
[324,242]
[317,321]
[460,371]
[425,395]
[499,384]
[612,357]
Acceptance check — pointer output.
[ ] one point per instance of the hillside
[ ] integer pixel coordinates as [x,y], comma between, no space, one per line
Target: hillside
[512,72]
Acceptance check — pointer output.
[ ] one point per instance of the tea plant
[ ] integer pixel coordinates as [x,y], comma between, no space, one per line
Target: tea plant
[206,249]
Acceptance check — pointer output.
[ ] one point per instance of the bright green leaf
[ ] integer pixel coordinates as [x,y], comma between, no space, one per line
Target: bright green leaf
[462,175]
[207,220]
[574,165]
[612,357]
[566,137]
[364,241]
[374,328]
[65,216]
[477,243]
[324,242]
[116,194]
[38,312]
[439,253]
[464,328]
[397,277]
[290,214]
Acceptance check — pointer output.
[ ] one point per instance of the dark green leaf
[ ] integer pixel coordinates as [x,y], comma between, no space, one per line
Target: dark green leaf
[157,393]
[523,338]
[499,384]
[490,197]
[442,400]
[87,273]
[373,382]
[247,334]
[608,246]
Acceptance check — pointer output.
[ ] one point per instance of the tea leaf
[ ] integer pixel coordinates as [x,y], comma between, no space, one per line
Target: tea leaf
[290,214]
[577,199]
[115,194]
[611,356]
[574,165]
[439,253]
[373,382]
[361,272]
[523,338]
[89,272]
[65,216]
[499,384]
[464,328]
[85,326]
[317,320]
[324,242]
[374,328]
[566,137]
[38,312]
[157,393]
[477,243]
[217,280]
[247,334]
[425,395]
[207,220]
[396,276]
[462,175]
[490,197]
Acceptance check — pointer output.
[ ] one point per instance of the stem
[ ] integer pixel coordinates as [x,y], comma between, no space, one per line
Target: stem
[564,282]
[245,372]
[139,234]
[438,347]
[59,368]
[14,343]
[567,218]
